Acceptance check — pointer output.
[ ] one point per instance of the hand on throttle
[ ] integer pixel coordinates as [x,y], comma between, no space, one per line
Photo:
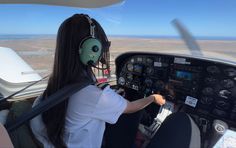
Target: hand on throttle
[159,99]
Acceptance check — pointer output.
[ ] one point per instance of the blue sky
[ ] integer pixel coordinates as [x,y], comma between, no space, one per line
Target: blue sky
[133,17]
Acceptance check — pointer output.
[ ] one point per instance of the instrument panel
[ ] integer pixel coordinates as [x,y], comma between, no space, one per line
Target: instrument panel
[207,87]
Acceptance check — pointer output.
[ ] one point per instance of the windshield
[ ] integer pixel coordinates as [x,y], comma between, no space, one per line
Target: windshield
[30,30]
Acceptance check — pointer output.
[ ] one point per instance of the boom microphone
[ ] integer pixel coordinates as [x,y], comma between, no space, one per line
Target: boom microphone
[91,63]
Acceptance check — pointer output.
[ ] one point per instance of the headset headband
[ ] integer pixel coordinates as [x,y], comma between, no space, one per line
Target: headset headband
[91,25]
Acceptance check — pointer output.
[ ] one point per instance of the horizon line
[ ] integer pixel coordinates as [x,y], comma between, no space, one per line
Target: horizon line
[138,36]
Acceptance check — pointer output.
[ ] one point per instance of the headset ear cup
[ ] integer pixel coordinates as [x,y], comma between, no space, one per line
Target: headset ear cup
[90,51]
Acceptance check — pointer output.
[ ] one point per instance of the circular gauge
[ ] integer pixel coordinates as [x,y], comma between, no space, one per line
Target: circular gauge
[227,83]
[231,72]
[121,81]
[213,70]
[130,67]
[208,91]
[206,100]
[149,70]
[129,76]
[210,81]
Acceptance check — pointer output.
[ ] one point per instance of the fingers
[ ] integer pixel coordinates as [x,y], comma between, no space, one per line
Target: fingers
[120,92]
[159,99]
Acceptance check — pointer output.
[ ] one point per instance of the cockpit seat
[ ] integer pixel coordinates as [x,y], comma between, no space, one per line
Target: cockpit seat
[178,130]
[5,140]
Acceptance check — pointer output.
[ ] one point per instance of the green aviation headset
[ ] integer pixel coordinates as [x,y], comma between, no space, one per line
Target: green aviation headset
[90,49]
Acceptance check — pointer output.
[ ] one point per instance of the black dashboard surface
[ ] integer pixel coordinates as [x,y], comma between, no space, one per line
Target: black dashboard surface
[207,87]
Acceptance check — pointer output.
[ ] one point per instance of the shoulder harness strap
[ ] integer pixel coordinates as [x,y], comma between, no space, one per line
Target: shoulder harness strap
[102,85]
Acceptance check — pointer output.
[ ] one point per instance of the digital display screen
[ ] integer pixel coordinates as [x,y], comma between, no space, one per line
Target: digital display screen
[184,75]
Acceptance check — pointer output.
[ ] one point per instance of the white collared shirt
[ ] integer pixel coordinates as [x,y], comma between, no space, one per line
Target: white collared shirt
[87,112]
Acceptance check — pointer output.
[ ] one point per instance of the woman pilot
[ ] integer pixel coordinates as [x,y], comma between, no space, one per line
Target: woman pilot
[80,120]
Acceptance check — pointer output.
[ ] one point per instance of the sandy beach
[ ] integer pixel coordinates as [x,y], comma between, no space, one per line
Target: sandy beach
[39,52]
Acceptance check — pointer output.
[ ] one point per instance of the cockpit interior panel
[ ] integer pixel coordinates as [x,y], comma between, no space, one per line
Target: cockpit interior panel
[205,89]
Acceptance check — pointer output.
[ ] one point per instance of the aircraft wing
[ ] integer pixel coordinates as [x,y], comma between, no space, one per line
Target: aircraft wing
[72,3]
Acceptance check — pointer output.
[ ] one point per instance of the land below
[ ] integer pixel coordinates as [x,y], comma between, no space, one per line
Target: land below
[39,52]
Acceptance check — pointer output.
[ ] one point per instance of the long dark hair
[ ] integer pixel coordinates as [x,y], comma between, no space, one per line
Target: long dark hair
[68,69]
